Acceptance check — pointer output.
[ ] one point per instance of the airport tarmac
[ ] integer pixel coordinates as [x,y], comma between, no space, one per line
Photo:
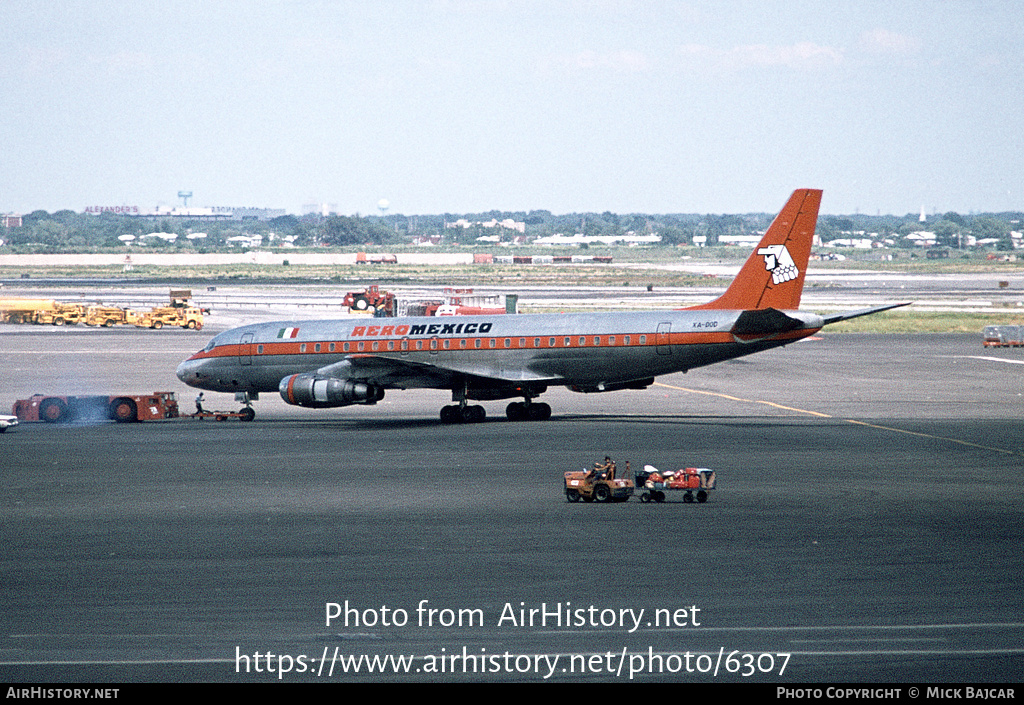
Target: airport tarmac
[866,527]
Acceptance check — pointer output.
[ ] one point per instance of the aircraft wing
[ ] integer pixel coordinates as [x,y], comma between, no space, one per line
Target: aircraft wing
[385,369]
[836,317]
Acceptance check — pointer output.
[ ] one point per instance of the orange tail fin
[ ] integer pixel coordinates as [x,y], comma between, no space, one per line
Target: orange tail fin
[773,275]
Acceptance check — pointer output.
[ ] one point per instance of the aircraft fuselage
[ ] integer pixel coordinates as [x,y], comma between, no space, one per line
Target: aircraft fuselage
[588,352]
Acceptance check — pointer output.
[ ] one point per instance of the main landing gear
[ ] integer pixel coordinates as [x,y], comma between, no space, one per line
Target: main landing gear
[516,411]
[461,412]
[528,411]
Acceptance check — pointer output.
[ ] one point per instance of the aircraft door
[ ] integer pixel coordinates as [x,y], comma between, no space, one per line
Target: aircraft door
[245,350]
[664,338]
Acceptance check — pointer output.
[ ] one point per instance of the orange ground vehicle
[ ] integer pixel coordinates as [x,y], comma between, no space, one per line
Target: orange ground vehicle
[121,408]
[694,482]
[585,485]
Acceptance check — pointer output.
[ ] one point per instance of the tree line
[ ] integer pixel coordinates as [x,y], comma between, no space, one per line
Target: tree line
[68,231]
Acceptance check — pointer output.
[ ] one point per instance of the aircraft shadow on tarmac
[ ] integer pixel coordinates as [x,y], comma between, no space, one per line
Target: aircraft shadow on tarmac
[379,423]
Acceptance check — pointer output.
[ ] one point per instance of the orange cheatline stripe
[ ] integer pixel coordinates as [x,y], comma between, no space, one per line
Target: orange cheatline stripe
[461,343]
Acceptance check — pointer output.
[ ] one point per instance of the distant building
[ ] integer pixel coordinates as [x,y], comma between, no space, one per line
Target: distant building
[506,224]
[190,212]
[10,220]
[922,238]
[322,209]
[630,238]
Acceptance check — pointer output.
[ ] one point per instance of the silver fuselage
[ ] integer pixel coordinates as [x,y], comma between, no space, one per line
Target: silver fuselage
[587,352]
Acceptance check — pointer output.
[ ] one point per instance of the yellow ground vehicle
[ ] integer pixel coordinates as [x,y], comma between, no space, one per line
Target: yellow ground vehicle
[107,316]
[183,316]
[18,310]
[180,313]
[60,314]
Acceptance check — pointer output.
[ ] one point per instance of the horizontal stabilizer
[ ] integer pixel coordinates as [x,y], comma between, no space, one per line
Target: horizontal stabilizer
[765,321]
[836,317]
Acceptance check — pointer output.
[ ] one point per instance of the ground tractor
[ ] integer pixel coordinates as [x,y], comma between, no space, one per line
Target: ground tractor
[123,408]
[695,483]
[591,487]
[379,303]
[120,408]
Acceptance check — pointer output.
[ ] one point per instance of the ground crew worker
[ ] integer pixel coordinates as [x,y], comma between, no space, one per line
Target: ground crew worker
[199,403]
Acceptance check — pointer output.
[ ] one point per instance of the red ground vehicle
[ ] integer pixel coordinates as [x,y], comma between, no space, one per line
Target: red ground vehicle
[694,482]
[245,414]
[125,408]
[373,300]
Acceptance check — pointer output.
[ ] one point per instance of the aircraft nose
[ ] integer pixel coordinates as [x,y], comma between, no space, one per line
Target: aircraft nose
[187,372]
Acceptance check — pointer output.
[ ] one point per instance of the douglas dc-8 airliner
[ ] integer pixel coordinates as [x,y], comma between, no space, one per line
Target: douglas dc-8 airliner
[331,363]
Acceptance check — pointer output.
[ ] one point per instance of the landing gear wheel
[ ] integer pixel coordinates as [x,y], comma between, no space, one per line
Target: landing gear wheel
[534,411]
[53,410]
[124,410]
[538,412]
[453,413]
[247,414]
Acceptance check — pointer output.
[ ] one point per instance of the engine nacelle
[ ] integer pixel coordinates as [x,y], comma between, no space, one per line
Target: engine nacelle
[323,392]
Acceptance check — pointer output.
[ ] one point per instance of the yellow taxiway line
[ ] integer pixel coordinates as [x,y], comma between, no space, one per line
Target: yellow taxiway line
[830,416]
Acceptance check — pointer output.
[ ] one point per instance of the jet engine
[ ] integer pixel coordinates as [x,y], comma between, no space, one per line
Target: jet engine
[323,392]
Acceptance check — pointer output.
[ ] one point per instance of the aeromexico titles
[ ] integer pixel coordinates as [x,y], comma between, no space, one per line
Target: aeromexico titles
[332,363]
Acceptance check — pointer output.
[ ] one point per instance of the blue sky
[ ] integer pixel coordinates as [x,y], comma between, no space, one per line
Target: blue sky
[471,105]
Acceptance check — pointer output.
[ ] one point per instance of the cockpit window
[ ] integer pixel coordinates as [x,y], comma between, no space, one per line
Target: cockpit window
[211,345]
